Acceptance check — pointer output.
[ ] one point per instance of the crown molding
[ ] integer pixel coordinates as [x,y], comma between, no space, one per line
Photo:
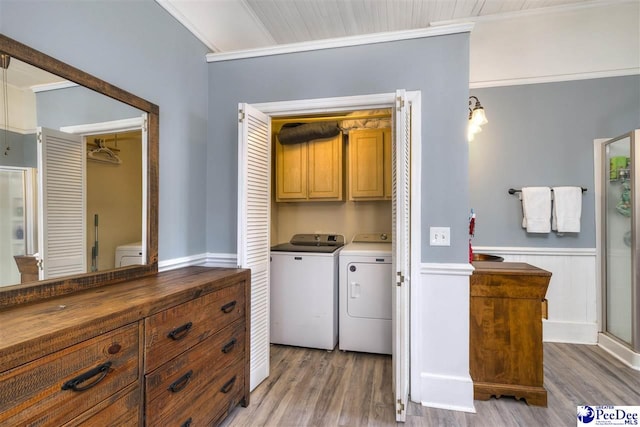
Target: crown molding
[464,27]
[555,78]
[45,87]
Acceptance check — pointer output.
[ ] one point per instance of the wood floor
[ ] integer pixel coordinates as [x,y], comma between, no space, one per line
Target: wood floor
[318,388]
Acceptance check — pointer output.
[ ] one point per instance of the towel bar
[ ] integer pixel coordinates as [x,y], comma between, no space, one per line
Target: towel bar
[514,191]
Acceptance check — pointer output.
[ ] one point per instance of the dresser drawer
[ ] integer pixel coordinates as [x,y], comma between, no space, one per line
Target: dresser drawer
[187,384]
[43,392]
[216,395]
[122,411]
[174,330]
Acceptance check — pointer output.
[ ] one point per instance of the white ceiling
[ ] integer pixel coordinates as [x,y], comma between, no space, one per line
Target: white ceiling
[232,25]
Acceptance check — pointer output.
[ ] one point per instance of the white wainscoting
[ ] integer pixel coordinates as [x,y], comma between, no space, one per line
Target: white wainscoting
[440,337]
[572,294]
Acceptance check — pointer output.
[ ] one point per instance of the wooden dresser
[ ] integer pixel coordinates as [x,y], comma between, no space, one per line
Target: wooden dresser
[167,349]
[505,343]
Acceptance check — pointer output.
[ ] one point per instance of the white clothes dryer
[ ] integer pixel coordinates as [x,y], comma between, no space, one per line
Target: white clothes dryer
[365,294]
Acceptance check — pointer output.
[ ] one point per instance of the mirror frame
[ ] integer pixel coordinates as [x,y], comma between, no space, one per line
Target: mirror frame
[28,292]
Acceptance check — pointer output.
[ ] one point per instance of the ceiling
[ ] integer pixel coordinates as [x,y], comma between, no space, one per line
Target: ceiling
[232,25]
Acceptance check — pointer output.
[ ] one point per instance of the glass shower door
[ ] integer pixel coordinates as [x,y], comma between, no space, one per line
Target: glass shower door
[12,223]
[619,243]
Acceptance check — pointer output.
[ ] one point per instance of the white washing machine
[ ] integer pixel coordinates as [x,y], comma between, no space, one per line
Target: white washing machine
[129,254]
[366,286]
[304,291]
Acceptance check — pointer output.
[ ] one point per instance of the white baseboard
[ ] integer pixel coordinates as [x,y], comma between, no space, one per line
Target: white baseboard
[446,392]
[619,351]
[207,259]
[569,332]
[221,260]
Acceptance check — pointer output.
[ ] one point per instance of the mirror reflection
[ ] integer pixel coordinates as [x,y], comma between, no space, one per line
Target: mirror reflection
[72,178]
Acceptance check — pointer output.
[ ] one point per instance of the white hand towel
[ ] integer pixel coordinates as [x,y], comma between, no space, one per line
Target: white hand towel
[536,209]
[567,208]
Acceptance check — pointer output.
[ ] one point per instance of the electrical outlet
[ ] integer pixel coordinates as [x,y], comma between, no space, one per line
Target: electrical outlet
[439,236]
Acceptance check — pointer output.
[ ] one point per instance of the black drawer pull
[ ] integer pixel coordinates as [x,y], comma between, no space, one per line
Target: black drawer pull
[228,308]
[181,382]
[180,332]
[229,346]
[187,423]
[101,371]
[229,385]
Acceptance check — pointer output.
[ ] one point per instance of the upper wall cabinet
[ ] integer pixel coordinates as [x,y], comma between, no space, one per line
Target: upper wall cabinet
[309,171]
[370,164]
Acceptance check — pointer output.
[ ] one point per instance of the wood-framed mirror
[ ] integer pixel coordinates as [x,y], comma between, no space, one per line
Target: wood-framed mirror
[31,291]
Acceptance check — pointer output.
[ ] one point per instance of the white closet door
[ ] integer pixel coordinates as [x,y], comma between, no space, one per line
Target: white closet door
[62,230]
[401,251]
[254,197]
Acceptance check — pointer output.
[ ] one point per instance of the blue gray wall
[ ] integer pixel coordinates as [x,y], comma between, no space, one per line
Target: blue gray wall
[22,152]
[542,135]
[437,66]
[139,47]
[79,105]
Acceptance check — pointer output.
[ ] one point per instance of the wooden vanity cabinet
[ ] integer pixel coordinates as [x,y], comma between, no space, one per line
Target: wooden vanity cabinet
[505,342]
[370,164]
[309,171]
[166,349]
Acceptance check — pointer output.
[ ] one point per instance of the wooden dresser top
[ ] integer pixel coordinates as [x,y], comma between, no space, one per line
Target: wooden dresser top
[508,268]
[33,330]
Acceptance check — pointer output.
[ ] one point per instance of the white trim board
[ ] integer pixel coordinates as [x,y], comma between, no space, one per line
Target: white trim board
[208,259]
[555,78]
[619,351]
[508,250]
[342,42]
[110,126]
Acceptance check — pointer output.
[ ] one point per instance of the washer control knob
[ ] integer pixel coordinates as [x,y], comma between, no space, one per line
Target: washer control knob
[383,236]
[352,268]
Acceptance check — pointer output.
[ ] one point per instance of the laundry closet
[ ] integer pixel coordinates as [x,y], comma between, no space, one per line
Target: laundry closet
[331,220]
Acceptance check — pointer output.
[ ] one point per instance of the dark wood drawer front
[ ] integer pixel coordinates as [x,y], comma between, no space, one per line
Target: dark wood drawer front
[42,392]
[172,331]
[203,397]
[219,351]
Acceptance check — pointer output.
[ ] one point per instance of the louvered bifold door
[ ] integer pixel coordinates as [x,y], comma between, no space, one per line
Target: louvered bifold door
[401,244]
[254,196]
[62,241]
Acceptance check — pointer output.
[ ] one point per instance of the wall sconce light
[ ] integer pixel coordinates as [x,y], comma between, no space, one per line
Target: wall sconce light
[477,118]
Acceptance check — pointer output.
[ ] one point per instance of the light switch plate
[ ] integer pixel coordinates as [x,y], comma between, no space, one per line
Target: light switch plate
[439,236]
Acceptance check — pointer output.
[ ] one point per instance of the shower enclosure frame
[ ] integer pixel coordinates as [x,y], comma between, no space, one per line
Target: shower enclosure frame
[634,154]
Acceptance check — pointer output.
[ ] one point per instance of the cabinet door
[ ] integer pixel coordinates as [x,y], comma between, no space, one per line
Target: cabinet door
[366,164]
[325,168]
[291,171]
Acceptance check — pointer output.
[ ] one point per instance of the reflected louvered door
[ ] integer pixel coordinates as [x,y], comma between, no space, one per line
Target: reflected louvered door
[254,196]
[401,243]
[62,227]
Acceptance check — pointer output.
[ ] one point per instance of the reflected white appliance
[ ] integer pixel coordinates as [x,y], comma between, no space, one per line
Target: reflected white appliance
[129,254]
[365,294]
[304,291]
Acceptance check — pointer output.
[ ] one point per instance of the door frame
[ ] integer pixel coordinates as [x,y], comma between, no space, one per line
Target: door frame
[367,102]
[124,125]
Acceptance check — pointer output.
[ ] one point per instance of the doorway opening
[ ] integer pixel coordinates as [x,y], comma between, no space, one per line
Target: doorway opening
[254,213]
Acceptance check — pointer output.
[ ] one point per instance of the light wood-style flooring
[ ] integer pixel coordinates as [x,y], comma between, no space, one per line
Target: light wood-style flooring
[309,387]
